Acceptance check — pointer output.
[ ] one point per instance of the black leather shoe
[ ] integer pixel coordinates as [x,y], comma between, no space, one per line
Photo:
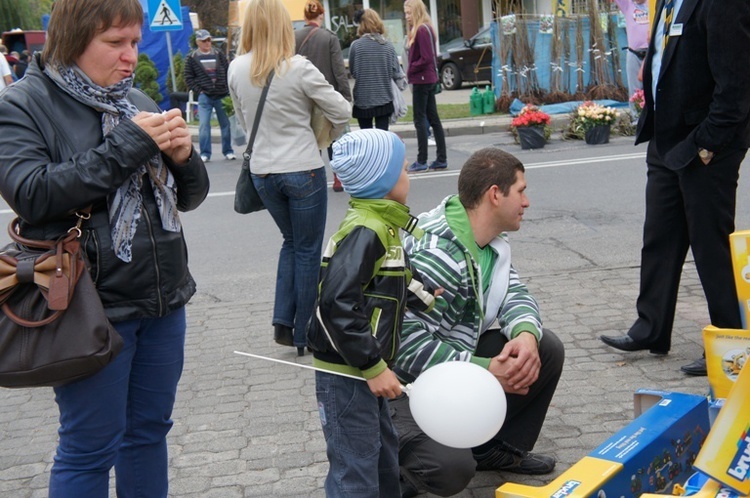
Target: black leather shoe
[283,335]
[625,343]
[697,368]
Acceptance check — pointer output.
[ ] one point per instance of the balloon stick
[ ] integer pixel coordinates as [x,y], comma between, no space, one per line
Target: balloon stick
[403,388]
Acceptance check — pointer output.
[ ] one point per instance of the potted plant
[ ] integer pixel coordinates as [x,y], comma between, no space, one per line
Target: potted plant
[594,121]
[531,127]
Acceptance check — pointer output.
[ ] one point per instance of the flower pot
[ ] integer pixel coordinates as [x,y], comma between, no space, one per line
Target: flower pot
[531,137]
[597,135]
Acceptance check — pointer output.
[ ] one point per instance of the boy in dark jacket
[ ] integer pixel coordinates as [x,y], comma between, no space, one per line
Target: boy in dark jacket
[365,284]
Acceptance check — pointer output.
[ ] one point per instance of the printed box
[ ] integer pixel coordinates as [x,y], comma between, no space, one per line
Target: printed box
[725,456]
[651,454]
[740,245]
[727,351]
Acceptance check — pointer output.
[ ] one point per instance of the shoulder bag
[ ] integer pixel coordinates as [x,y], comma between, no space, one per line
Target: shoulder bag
[439,84]
[246,197]
[53,329]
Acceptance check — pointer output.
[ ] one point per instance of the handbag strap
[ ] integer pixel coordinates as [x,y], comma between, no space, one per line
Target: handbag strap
[434,52]
[307,38]
[258,112]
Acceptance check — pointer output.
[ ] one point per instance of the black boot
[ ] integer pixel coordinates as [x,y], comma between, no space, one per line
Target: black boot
[283,335]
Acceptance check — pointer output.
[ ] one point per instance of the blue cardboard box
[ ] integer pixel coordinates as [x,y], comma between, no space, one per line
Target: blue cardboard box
[651,454]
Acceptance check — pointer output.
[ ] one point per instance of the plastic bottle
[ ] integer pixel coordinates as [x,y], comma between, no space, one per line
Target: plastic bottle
[488,100]
[475,102]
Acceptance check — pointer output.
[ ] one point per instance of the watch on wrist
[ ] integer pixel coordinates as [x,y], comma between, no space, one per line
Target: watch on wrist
[705,155]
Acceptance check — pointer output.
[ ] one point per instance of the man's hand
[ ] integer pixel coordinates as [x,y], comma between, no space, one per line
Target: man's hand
[385,384]
[518,364]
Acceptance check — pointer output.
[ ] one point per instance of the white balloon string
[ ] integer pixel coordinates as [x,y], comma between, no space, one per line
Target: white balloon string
[405,388]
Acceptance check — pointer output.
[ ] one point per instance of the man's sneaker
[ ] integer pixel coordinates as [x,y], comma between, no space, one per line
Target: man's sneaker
[205,158]
[431,141]
[417,166]
[230,156]
[436,165]
[506,458]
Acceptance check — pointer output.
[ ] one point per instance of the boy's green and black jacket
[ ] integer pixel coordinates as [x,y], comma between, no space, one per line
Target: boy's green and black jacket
[365,284]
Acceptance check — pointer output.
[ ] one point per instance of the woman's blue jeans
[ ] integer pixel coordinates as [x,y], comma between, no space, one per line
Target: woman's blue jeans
[298,203]
[361,441]
[121,416]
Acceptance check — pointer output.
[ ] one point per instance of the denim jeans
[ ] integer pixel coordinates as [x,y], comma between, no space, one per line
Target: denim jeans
[298,203]
[361,441]
[206,104]
[121,416]
[425,111]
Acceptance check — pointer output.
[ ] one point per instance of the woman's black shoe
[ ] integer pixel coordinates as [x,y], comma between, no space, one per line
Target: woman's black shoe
[283,335]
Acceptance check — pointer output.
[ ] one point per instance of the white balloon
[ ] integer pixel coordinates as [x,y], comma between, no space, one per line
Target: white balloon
[458,404]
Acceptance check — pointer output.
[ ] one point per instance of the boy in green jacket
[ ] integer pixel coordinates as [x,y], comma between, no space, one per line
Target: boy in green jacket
[365,285]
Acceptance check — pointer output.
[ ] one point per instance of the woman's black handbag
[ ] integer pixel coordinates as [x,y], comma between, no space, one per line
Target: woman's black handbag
[246,197]
[53,329]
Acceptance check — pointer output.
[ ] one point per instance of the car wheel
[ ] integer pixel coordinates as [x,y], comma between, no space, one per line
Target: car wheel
[450,76]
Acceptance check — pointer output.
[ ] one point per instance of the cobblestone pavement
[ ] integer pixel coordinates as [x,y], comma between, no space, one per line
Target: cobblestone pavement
[247,427]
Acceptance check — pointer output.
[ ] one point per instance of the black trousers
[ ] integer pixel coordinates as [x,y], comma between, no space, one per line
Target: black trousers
[689,208]
[444,471]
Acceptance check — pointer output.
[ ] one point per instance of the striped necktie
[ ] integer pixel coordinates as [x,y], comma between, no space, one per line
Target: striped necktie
[669,8]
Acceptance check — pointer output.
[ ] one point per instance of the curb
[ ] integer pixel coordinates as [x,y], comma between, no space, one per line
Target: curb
[478,125]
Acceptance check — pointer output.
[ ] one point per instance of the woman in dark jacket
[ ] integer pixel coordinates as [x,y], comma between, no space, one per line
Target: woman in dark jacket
[323,49]
[422,75]
[76,135]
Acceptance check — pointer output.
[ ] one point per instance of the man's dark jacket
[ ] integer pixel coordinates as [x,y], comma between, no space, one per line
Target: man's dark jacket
[703,92]
[198,80]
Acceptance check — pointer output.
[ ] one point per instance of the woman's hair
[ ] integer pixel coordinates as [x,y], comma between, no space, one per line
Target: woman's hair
[485,168]
[370,22]
[313,9]
[74,23]
[419,17]
[267,33]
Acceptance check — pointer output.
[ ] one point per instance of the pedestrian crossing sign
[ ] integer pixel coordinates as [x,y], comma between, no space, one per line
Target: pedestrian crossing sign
[165,15]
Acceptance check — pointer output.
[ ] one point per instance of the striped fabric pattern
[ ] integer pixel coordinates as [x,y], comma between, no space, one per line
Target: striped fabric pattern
[373,63]
[451,330]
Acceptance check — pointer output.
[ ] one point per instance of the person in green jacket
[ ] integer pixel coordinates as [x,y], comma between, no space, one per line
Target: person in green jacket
[365,284]
[486,316]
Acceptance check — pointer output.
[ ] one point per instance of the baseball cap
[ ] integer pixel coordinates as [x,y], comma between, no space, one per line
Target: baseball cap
[202,34]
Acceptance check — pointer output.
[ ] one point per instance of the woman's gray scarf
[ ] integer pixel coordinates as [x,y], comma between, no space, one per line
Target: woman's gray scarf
[126,202]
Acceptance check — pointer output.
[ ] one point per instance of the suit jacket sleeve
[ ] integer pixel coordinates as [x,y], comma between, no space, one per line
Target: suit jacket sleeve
[728,38]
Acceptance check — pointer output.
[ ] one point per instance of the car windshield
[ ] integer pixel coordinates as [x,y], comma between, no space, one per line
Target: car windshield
[481,38]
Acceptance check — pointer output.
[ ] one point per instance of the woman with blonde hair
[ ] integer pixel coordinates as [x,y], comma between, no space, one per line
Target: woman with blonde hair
[286,166]
[422,75]
[374,64]
[323,49]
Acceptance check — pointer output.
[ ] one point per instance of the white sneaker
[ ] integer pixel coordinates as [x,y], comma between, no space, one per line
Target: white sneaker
[205,158]
[230,156]
[431,141]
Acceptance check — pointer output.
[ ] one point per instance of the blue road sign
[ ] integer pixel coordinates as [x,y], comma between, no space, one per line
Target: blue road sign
[165,15]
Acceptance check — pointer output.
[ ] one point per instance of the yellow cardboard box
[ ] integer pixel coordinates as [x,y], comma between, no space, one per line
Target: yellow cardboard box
[725,456]
[727,351]
[740,245]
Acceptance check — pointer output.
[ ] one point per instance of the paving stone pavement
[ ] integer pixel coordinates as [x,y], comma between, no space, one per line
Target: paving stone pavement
[246,427]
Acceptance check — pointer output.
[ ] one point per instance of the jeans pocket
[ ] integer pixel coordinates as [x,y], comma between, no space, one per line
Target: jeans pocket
[304,184]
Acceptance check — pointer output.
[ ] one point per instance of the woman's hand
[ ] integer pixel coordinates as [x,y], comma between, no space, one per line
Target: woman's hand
[169,131]
[179,137]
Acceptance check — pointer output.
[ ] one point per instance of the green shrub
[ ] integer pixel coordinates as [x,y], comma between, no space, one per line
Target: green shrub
[145,77]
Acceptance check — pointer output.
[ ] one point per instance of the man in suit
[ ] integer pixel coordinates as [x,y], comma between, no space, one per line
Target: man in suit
[696,80]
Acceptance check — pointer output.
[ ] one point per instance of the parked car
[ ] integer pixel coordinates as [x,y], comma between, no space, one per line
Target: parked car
[466,60]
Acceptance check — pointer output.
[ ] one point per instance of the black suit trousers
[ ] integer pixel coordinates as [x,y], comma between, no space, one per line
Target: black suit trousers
[692,207]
